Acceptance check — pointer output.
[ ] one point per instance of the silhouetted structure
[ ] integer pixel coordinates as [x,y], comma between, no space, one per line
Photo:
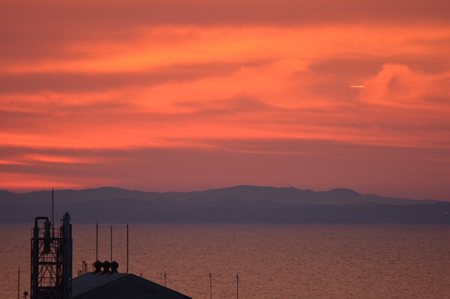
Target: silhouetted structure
[51,270]
[119,286]
[51,260]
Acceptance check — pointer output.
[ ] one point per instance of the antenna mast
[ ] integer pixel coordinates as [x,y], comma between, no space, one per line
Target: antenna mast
[111,245]
[237,285]
[18,282]
[53,212]
[96,241]
[210,285]
[128,249]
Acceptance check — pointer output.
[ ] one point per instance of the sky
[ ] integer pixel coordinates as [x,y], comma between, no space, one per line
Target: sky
[178,95]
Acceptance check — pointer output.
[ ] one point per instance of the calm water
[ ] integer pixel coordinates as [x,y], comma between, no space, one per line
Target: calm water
[279,261]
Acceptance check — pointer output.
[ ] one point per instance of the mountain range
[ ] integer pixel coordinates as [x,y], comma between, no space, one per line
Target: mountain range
[238,204]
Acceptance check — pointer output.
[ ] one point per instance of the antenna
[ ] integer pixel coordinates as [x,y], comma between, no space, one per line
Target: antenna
[210,285]
[128,249]
[111,244]
[53,212]
[96,241]
[237,285]
[18,282]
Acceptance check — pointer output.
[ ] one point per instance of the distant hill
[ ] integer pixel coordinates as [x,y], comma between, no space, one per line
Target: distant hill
[238,204]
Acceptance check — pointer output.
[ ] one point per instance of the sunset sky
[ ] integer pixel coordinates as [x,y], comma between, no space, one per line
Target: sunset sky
[168,95]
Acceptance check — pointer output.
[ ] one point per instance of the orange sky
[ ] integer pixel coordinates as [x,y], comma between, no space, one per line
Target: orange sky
[182,95]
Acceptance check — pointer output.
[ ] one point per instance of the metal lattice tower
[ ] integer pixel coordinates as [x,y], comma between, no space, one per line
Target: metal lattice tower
[51,259]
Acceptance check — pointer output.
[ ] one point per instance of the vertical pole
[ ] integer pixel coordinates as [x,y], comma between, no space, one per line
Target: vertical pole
[128,249]
[18,282]
[34,278]
[96,241]
[210,285]
[237,285]
[165,279]
[111,245]
[67,256]
[53,212]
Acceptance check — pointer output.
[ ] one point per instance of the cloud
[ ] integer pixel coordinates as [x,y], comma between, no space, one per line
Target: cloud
[88,82]
[49,28]
[139,12]
[317,164]
[332,77]
[230,106]
[14,121]
[356,67]
[401,85]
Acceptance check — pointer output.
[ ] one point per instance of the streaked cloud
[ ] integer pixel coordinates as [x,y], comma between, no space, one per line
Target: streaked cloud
[317,164]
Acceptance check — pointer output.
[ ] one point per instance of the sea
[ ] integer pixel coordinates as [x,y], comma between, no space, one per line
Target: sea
[257,261]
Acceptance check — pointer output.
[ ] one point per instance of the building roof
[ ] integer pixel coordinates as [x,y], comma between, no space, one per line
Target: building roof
[120,285]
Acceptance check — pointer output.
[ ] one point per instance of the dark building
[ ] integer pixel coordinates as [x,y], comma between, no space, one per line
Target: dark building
[120,286]
[51,271]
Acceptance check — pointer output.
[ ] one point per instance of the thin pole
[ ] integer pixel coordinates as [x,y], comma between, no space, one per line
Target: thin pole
[53,212]
[165,279]
[96,241]
[237,285]
[18,282]
[111,245]
[210,285]
[128,248]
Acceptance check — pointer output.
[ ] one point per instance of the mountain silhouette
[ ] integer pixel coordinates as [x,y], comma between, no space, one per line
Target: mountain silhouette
[238,204]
